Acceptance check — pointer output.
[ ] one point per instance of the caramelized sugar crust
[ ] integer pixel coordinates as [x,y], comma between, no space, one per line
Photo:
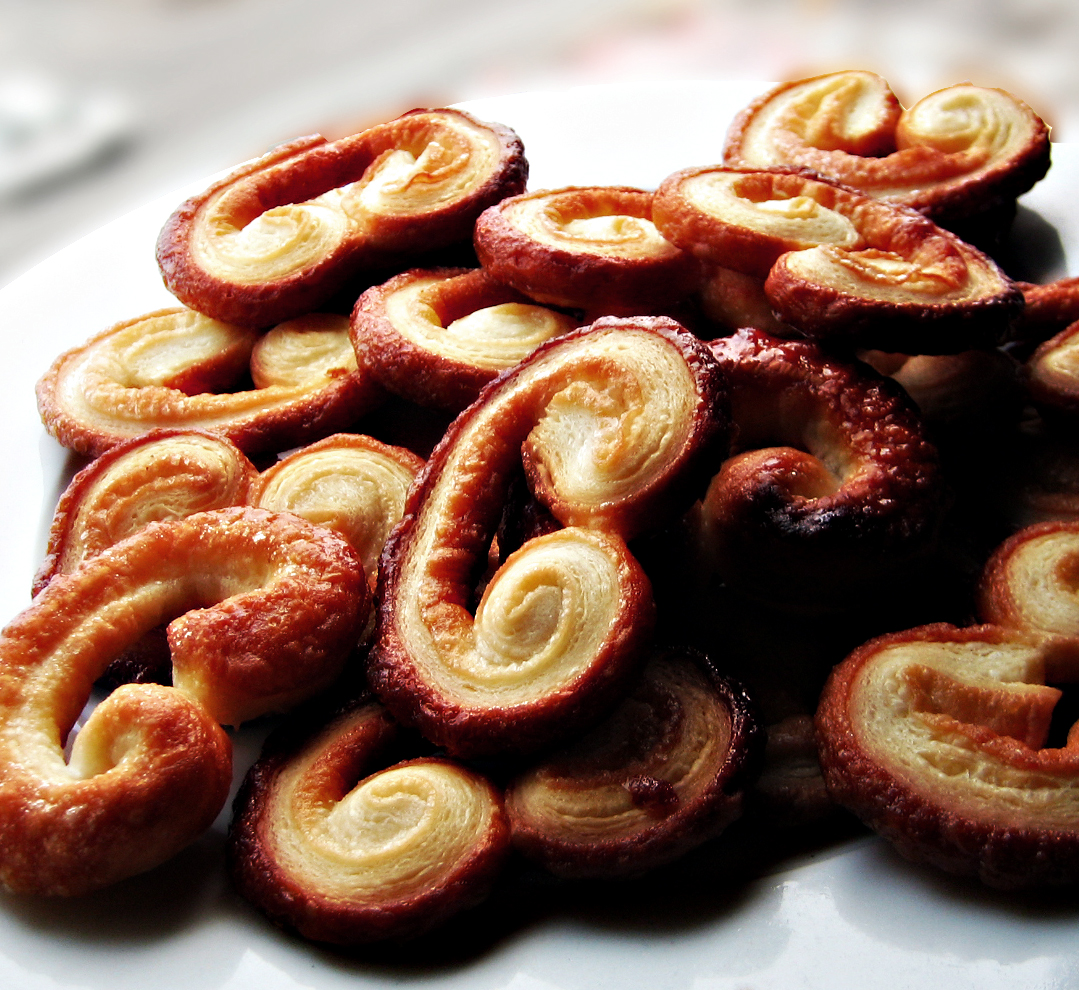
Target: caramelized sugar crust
[1048,309]
[615,426]
[332,841]
[659,776]
[590,247]
[955,153]
[437,336]
[937,737]
[124,382]
[833,483]
[281,235]
[276,605]
[839,265]
[1051,374]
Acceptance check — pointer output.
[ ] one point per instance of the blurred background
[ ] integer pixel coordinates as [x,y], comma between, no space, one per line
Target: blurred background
[105,104]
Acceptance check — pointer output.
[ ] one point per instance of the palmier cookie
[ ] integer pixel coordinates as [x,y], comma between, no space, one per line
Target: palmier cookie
[958,152]
[1051,375]
[281,235]
[615,425]
[838,265]
[833,486]
[1047,309]
[939,738]
[436,337]
[334,840]
[593,247]
[277,605]
[663,773]
[137,376]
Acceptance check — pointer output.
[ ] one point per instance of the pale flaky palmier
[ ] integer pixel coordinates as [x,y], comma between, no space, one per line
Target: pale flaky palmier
[438,336]
[958,152]
[334,839]
[615,425]
[348,482]
[591,247]
[1051,375]
[839,265]
[833,484]
[939,738]
[283,234]
[277,604]
[663,773]
[130,379]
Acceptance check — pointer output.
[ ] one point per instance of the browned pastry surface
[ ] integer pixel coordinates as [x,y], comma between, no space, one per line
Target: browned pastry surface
[1051,374]
[331,841]
[955,153]
[662,774]
[1048,309]
[590,247]
[281,235]
[938,738]
[117,385]
[839,265]
[438,336]
[614,424]
[833,484]
[276,605]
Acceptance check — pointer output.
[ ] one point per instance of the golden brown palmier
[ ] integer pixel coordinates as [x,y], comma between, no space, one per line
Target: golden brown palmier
[958,152]
[833,484]
[1051,375]
[663,773]
[120,384]
[590,247]
[268,608]
[164,474]
[615,425]
[281,235]
[735,300]
[437,336]
[332,841]
[839,265]
[1047,309]
[348,482]
[938,738]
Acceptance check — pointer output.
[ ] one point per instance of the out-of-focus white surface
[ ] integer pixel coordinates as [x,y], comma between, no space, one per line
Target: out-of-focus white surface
[856,918]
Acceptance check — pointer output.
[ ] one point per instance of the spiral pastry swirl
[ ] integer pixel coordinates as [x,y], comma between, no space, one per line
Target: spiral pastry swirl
[837,264]
[121,383]
[939,738]
[330,841]
[277,605]
[955,153]
[1051,375]
[436,337]
[662,774]
[281,235]
[613,424]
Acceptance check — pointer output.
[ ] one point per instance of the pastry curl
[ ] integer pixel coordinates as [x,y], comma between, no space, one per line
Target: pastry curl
[838,265]
[1047,309]
[121,383]
[277,603]
[281,235]
[593,247]
[833,484]
[1051,375]
[436,337]
[955,153]
[331,843]
[615,425]
[938,738]
[349,483]
[165,474]
[662,774]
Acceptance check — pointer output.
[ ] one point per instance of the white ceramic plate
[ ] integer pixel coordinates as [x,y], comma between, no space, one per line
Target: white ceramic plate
[855,917]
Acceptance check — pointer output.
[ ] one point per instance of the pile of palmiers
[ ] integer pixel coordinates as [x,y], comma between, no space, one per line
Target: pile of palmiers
[549,513]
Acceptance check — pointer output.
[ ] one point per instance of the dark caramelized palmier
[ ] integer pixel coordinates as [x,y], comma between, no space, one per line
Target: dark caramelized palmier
[282,235]
[1047,309]
[332,841]
[663,773]
[938,738]
[838,265]
[615,425]
[438,336]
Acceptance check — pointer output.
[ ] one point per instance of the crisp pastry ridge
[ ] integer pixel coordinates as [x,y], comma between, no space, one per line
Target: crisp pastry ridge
[281,235]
